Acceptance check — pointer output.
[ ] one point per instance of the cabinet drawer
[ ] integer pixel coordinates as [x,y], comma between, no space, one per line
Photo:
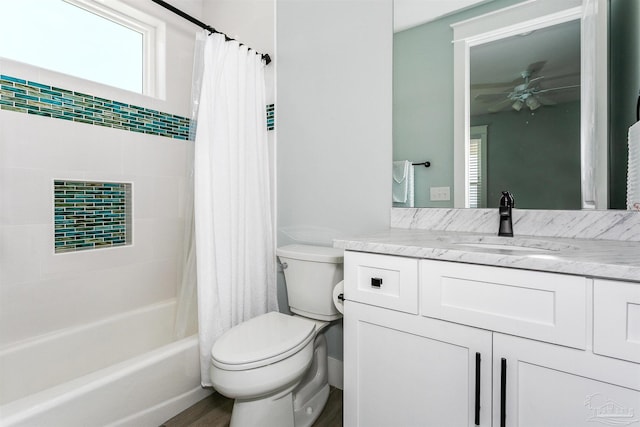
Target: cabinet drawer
[381,280]
[616,319]
[543,306]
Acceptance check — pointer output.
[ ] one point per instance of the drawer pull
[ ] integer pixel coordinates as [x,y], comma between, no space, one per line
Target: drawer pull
[376,282]
[503,392]
[477,406]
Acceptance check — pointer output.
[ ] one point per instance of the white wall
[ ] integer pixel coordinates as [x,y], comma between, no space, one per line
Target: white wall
[333,122]
[249,21]
[41,292]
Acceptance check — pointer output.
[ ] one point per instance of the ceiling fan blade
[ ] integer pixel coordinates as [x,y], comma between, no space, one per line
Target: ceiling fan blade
[531,81]
[532,69]
[491,97]
[490,85]
[499,106]
[535,92]
[536,67]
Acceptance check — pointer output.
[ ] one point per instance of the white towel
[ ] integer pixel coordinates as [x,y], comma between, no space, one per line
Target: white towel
[411,191]
[401,180]
[403,184]
[633,169]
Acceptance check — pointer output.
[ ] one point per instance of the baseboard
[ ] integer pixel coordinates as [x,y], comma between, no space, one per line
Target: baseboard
[335,372]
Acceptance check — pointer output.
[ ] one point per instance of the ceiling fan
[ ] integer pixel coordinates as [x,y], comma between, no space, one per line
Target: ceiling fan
[527,93]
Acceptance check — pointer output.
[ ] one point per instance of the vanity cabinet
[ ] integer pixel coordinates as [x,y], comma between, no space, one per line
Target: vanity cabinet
[485,346]
[540,384]
[401,370]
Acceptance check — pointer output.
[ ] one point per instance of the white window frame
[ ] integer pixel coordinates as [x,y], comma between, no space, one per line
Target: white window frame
[153,33]
[477,132]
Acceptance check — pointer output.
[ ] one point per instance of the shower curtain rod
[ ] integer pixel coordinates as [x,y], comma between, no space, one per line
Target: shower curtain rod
[265,56]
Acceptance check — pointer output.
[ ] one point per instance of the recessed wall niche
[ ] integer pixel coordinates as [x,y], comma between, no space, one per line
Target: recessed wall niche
[91,215]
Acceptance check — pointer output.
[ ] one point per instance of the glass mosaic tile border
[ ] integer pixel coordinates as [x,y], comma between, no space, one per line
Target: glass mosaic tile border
[35,98]
[90,215]
[271,124]
[25,96]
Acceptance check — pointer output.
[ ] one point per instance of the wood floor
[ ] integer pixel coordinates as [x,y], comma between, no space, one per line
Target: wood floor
[215,411]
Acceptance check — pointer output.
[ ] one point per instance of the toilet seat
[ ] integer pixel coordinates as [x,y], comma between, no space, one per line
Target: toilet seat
[261,341]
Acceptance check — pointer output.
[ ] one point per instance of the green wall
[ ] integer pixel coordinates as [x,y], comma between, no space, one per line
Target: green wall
[546,145]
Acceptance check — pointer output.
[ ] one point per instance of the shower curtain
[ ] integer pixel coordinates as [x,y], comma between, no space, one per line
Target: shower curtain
[234,242]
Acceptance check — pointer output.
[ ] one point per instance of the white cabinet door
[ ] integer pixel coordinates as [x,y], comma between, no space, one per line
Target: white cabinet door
[616,319]
[538,384]
[404,371]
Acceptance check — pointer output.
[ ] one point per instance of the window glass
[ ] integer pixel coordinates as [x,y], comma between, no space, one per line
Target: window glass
[63,37]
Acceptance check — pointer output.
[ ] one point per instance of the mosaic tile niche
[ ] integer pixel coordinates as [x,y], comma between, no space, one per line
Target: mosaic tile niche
[91,215]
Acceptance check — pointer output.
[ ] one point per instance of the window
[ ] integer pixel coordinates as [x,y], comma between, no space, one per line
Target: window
[476,185]
[82,38]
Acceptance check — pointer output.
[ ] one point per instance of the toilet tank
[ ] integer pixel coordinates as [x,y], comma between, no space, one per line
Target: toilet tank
[310,274]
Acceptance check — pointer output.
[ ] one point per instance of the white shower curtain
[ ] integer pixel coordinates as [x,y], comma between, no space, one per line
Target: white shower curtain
[233,221]
[186,322]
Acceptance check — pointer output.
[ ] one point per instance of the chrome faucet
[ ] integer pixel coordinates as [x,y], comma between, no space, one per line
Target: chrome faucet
[507,202]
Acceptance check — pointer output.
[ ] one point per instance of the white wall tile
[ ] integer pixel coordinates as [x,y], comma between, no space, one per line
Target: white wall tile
[155,155]
[27,196]
[21,248]
[45,143]
[166,195]
[143,196]
[168,238]
[66,301]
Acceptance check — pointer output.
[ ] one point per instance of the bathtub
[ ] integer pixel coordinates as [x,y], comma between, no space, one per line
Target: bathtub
[125,370]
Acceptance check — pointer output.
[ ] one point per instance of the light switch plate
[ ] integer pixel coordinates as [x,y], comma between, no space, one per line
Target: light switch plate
[440,194]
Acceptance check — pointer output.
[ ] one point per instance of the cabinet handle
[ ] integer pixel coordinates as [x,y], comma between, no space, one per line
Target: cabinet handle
[477,409]
[376,282]
[503,392]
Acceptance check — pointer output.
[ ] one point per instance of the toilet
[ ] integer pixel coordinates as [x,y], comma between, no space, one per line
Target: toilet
[275,365]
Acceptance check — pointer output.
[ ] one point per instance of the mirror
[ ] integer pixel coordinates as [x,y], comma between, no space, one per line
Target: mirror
[524,120]
[505,69]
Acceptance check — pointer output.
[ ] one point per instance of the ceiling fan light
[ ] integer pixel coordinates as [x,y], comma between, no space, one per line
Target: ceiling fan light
[533,103]
[517,105]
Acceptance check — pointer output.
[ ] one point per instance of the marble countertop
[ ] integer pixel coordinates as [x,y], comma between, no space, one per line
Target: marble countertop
[610,259]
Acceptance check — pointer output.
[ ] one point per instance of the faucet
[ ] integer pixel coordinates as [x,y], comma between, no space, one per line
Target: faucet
[506,203]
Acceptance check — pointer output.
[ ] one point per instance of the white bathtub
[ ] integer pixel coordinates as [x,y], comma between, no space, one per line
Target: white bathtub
[121,371]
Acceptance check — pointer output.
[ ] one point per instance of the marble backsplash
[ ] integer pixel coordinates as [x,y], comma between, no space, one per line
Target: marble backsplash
[605,225]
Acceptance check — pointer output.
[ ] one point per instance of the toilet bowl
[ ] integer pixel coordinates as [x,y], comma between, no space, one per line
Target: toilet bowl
[275,365]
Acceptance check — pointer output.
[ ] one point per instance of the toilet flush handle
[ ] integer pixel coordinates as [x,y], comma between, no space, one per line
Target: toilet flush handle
[284,265]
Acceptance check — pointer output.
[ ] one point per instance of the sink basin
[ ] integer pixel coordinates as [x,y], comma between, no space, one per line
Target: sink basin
[506,247]
[515,244]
